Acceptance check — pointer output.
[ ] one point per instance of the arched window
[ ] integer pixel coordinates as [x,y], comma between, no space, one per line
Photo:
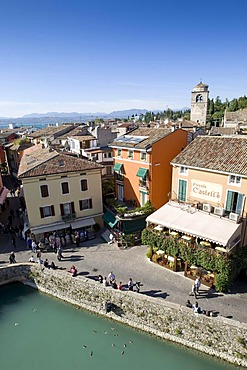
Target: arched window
[199,98]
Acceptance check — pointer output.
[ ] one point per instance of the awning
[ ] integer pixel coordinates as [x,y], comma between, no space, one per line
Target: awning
[117,167]
[196,223]
[3,194]
[48,228]
[142,172]
[110,219]
[82,223]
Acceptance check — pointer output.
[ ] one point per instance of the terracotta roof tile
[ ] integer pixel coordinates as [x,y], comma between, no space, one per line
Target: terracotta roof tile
[224,154]
[42,161]
[151,135]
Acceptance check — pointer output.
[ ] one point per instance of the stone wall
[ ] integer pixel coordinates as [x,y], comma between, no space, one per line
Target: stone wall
[217,336]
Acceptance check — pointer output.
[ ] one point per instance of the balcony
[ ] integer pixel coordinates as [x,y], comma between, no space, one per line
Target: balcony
[143,183]
[70,217]
[119,178]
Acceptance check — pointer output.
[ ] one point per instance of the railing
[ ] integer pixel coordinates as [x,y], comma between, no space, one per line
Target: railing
[70,217]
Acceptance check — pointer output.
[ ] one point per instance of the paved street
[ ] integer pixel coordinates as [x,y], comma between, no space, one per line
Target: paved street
[96,257]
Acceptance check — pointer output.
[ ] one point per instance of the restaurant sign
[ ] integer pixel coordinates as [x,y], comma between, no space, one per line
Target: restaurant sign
[208,191]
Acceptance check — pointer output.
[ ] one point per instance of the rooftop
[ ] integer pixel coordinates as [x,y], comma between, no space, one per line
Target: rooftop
[39,161]
[141,138]
[216,153]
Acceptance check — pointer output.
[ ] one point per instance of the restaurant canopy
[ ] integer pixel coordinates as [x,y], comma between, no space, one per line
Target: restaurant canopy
[191,221]
[110,219]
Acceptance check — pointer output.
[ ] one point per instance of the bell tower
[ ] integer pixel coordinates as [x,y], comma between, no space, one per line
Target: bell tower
[199,103]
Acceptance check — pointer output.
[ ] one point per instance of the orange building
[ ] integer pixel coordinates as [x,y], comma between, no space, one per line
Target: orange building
[142,164]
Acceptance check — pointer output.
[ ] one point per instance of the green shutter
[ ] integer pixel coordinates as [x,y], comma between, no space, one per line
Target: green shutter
[239,205]
[117,167]
[142,172]
[182,187]
[229,200]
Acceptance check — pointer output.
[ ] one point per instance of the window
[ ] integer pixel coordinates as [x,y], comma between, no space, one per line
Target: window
[108,170]
[85,204]
[119,152]
[47,211]
[234,202]
[65,187]
[234,180]
[67,209]
[44,191]
[130,154]
[183,170]
[108,155]
[182,188]
[143,156]
[84,185]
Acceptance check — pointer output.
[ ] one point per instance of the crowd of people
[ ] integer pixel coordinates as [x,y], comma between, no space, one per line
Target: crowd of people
[110,280]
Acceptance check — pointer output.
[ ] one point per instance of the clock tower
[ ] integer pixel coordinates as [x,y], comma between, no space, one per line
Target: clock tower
[199,103]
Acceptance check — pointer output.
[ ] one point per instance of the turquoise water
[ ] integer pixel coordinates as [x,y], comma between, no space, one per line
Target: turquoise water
[41,332]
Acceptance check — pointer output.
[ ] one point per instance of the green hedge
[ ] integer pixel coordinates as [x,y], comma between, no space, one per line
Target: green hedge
[227,267]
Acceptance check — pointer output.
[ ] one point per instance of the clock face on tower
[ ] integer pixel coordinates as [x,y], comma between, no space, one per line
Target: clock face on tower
[199,98]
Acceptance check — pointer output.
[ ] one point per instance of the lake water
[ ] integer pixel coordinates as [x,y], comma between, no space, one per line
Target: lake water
[40,332]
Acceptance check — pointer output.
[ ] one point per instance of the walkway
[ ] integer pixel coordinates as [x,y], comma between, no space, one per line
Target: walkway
[96,257]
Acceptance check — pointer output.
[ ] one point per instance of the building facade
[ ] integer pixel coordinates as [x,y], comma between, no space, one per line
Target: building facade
[199,103]
[209,188]
[61,191]
[142,164]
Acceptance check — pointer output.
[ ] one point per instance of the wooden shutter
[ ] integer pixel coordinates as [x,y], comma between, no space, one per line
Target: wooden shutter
[52,211]
[229,200]
[62,209]
[239,206]
[72,207]
[182,185]
[90,203]
[41,212]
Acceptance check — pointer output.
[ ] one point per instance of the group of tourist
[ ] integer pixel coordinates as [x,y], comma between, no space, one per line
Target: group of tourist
[111,281]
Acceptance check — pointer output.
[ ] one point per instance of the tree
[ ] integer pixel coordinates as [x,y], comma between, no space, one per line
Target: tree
[233,105]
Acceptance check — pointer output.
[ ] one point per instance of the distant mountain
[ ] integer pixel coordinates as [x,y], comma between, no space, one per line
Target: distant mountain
[127,113]
[115,114]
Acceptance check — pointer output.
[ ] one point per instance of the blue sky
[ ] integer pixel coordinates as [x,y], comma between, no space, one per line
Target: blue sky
[105,55]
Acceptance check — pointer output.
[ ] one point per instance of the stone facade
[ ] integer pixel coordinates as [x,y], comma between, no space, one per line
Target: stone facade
[216,336]
[199,103]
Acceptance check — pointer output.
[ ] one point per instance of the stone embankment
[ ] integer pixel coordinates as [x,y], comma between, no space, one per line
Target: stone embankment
[216,336]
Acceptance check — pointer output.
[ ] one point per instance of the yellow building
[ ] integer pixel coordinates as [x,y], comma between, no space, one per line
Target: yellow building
[61,191]
[208,196]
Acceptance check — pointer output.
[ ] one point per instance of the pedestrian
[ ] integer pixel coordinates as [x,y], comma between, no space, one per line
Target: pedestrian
[196,308]
[111,277]
[138,284]
[197,284]
[130,284]
[46,263]
[34,246]
[31,259]
[120,287]
[12,258]
[193,292]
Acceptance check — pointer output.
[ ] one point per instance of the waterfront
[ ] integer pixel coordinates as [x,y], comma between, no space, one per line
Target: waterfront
[39,331]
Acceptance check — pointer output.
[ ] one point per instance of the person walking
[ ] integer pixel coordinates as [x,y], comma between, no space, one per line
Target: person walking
[197,284]
[12,258]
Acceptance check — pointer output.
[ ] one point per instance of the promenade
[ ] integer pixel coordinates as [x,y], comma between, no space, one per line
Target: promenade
[96,257]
